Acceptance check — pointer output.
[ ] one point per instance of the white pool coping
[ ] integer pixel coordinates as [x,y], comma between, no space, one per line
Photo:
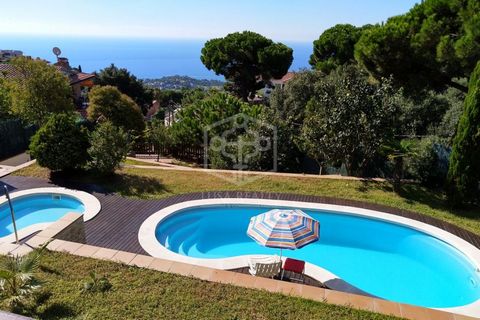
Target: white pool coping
[150,244]
[92,208]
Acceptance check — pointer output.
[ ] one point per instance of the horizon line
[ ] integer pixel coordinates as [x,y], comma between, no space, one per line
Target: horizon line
[138,37]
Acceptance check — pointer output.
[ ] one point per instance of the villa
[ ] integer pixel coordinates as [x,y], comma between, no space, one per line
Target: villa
[80,81]
[326,168]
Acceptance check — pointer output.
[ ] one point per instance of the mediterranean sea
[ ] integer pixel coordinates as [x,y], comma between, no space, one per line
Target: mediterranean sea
[145,58]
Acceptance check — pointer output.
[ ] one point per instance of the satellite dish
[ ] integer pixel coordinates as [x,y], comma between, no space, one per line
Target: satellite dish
[57,51]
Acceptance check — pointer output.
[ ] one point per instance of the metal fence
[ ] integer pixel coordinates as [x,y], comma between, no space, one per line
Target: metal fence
[181,152]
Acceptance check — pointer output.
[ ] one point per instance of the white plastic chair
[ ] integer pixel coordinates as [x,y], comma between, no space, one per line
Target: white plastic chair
[267,267]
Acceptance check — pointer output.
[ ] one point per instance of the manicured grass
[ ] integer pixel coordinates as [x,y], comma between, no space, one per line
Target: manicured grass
[145,294]
[157,184]
[139,163]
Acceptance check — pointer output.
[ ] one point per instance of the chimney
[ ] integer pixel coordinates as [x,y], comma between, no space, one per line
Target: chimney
[63,63]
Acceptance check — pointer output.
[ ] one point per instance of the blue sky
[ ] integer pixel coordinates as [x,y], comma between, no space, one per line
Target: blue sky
[288,20]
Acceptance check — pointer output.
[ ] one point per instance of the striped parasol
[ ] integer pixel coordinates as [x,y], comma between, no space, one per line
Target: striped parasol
[284,229]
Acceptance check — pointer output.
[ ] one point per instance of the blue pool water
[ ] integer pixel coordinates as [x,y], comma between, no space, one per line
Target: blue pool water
[384,259]
[42,208]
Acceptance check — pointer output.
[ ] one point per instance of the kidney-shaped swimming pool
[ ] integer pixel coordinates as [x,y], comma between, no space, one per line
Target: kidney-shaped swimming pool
[384,258]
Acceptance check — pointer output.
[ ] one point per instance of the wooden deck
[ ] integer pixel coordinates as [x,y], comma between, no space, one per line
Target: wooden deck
[117,225]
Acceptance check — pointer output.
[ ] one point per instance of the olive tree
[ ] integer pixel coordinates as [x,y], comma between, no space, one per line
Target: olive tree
[348,119]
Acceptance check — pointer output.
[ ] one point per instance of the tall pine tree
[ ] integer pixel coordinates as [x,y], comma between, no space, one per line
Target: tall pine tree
[464,172]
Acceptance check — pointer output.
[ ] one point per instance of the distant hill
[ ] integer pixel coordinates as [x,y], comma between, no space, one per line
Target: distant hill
[182,82]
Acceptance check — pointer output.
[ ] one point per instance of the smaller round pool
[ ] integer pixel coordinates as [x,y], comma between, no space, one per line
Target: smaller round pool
[35,209]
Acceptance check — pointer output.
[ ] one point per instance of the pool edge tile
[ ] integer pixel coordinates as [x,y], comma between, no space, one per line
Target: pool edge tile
[387,307]
[440,315]
[290,289]
[202,273]
[361,302]
[244,280]
[413,312]
[463,317]
[86,251]
[104,254]
[337,297]
[38,241]
[55,244]
[313,293]
[160,265]
[266,284]
[69,247]
[141,261]
[123,257]
[223,276]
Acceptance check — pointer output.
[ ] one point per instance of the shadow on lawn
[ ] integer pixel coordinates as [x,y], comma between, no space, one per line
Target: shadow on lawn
[56,311]
[413,193]
[121,183]
[40,309]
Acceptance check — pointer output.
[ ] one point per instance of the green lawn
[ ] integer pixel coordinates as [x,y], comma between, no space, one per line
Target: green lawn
[157,184]
[145,294]
[139,163]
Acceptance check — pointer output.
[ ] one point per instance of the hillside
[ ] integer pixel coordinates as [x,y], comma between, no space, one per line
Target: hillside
[182,82]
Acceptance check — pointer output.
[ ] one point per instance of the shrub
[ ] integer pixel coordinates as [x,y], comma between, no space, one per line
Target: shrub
[429,162]
[61,144]
[234,155]
[18,280]
[109,147]
[96,284]
[464,172]
[109,104]
[39,92]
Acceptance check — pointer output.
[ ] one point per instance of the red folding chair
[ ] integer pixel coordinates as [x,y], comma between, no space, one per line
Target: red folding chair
[297,267]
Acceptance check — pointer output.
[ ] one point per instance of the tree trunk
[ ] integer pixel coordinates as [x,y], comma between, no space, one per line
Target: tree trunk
[398,174]
[320,166]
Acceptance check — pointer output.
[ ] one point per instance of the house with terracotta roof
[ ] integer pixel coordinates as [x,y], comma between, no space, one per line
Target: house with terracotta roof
[283,81]
[80,82]
[8,71]
[278,83]
[6,55]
